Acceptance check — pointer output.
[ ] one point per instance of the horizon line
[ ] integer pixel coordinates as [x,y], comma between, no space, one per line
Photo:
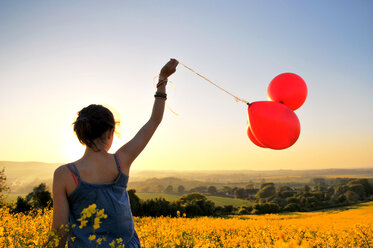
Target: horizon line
[217,170]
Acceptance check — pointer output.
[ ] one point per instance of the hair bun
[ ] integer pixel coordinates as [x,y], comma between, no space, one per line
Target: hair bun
[92,122]
[80,118]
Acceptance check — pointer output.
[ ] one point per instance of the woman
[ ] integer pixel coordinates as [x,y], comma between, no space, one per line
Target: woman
[100,178]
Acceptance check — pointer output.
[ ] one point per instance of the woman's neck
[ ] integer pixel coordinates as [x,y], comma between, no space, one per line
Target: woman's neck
[92,154]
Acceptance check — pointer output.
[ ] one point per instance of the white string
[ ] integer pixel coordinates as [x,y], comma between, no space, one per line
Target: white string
[235,97]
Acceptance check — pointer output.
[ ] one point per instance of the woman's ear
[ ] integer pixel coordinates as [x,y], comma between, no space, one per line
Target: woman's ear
[110,133]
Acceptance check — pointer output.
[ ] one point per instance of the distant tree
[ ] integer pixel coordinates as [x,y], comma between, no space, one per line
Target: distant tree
[169,189]
[306,188]
[250,185]
[330,190]
[245,210]
[22,205]
[340,190]
[341,199]
[225,210]
[136,206]
[318,181]
[196,204]
[358,189]
[199,189]
[212,190]
[278,200]
[292,207]
[181,189]
[341,181]
[319,195]
[292,200]
[227,190]
[4,189]
[367,187]
[266,191]
[160,188]
[352,196]
[240,193]
[228,209]
[266,208]
[285,191]
[284,188]
[192,197]
[285,194]
[322,188]
[40,197]
[159,207]
[264,184]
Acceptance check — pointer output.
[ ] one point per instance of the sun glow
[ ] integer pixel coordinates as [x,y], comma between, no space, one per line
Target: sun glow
[72,149]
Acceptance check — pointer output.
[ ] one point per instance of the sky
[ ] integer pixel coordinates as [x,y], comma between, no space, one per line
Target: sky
[57,57]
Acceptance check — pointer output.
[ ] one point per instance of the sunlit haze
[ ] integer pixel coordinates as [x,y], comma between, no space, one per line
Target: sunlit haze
[57,57]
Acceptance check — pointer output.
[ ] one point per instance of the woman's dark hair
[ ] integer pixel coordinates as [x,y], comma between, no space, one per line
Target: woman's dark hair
[92,122]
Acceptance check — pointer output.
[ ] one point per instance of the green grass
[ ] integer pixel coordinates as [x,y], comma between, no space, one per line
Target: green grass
[219,201]
[148,196]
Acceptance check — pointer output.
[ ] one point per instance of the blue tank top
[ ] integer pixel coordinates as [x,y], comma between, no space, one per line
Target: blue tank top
[114,199]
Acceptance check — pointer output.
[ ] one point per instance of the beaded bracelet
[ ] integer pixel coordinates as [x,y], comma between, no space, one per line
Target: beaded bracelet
[161,95]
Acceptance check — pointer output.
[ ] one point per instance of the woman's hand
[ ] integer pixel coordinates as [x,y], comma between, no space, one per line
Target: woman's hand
[168,69]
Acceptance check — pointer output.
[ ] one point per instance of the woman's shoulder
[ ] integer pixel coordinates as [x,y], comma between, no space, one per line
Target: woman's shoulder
[62,178]
[62,173]
[61,170]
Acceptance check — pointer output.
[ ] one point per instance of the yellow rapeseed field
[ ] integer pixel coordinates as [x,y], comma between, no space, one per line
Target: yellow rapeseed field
[338,228]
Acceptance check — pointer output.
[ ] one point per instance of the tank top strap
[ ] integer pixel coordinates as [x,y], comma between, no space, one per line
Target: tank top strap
[118,162]
[74,172]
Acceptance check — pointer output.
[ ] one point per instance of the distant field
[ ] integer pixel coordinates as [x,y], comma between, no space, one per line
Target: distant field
[350,176]
[219,201]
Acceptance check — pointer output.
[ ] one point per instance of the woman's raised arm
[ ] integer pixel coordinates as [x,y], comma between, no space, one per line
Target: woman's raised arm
[128,152]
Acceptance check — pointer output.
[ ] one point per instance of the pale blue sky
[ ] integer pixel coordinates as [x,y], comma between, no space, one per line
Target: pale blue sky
[57,57]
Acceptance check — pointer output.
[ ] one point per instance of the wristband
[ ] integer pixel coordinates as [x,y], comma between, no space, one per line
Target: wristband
[161,95]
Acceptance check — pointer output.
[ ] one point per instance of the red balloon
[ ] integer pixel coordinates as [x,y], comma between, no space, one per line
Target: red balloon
[273,124]
[289,89]
[253,139]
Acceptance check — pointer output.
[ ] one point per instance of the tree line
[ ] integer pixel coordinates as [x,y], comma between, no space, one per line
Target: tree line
[268,198]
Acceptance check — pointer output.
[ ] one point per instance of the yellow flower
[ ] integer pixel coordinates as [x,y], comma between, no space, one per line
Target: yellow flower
[112,244]
[83,223]
[96,224]
[98,241]
[92,237]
